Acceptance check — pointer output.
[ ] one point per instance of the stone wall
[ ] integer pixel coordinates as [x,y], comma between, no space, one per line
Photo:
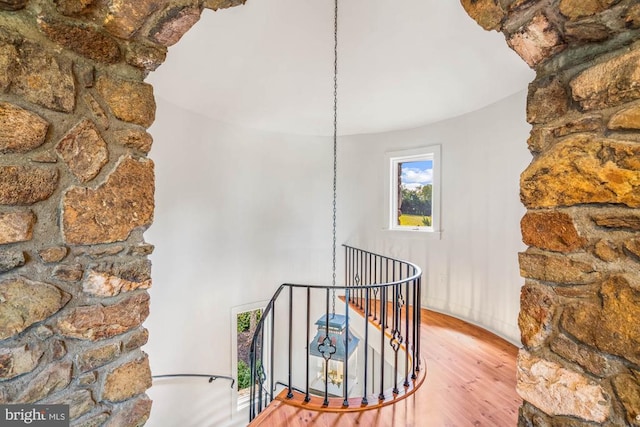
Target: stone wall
[580,305]
[76,194]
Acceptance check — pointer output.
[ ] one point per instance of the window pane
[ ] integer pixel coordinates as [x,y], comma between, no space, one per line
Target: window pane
[415,190]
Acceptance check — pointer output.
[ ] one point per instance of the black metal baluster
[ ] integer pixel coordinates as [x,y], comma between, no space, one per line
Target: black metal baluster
[261,372]
[252,389]
[367,307]
[419,322]
[326,360]
[395,342]
[307,398]
[406,333]
[271,351]
[290,393]
[375,290]
[345,365]
[383,311]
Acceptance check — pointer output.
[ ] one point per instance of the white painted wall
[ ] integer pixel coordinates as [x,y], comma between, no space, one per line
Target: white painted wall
[239,212]
[472,270]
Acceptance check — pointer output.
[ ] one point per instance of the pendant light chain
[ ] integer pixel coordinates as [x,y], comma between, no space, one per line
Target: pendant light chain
[335,143]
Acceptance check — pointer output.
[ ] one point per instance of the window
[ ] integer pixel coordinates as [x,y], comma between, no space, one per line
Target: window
[244,320]
[414,190]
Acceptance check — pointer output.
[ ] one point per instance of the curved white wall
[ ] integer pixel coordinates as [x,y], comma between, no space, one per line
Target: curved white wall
[239,212]
[472,270]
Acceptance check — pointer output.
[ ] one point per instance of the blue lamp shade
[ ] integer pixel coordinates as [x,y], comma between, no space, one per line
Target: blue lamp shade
[338,346]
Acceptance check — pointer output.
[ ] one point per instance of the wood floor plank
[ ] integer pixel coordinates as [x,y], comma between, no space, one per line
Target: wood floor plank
[470,382]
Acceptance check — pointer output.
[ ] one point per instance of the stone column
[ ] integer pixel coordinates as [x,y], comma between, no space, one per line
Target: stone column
[76,194]
[580,303]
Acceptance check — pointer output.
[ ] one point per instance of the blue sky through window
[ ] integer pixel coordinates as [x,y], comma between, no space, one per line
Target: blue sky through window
[416,174]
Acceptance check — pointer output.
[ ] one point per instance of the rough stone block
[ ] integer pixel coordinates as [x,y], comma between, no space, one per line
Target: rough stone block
[84,151]
[537,307]
[16,226]
[487,13]
[54,377]
[174,23]
[109,213]
[58,349]
[632,17]
[586,32]
[135,339]
[88,378]
[583,169]
[98,322]
[68,272]
[145,56]
[554,231]
[111,279]
[559,391]
[606,251]
[594,362]
[94,420]
[97,252]
[15,361]
[73,7]
[633,247]
[85,41]
[10,260]
[80,402]
[628,220]
[26,185]
[128,380]
[125,18]
[20,130]
[537,41]
[546,102]
[539,140]
[628,390]
[129,101]
[609,83]
[53,254]
[96,109]
[44,79]
[610,324]
[8,63]
[627,119]
[12,5]
[44,157]
[131,414]
[96,357]
[138,139]
[582,124]
[141,250]
[25,303]
[222,4]
[576,9]
[556,268]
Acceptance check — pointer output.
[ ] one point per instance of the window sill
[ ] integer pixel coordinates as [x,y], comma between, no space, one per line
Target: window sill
[415,233]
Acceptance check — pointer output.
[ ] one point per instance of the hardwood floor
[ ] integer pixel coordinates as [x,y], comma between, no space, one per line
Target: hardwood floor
[470,382]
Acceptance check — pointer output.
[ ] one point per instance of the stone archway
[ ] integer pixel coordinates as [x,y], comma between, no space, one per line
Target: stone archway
[582,191]
[76,192]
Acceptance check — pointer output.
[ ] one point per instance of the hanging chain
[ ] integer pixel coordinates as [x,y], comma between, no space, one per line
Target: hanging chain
[335,144]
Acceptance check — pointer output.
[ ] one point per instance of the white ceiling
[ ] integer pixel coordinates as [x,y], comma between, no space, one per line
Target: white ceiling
[268,65]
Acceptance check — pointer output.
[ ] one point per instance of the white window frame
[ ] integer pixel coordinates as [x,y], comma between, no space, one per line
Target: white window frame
[240,404]
[392,161]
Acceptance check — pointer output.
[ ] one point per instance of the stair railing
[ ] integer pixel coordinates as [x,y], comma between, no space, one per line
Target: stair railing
[379,301]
